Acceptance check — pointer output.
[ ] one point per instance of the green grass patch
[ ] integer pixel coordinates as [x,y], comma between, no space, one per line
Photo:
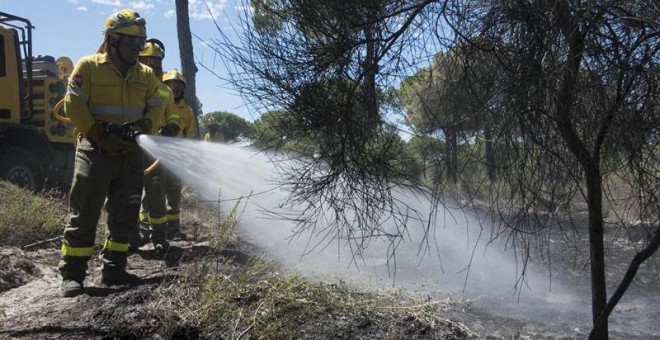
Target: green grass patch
[27,218]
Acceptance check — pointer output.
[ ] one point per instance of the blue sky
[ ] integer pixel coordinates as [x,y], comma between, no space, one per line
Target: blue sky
[72,28]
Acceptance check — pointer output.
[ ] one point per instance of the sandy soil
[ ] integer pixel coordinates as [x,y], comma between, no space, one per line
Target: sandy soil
[35,310]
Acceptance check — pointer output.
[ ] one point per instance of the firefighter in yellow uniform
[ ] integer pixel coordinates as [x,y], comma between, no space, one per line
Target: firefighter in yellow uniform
[177,83]
[214,134]
[154,207]
[105,91]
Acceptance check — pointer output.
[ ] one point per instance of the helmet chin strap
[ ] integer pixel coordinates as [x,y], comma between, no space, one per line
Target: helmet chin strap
[121,58]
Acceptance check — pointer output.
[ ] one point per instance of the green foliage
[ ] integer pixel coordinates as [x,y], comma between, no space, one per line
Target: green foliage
[455,98]
[424,156]
[451,94]
[266,15]
[270,129]
[26,218]
[225,227]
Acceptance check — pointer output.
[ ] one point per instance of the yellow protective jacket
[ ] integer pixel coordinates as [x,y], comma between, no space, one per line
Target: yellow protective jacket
[187,119]
[217,137]
[170,111]
[97,91]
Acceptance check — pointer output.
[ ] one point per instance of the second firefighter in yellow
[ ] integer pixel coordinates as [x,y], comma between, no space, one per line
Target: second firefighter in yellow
[154,209]
[214,134]
[188,123]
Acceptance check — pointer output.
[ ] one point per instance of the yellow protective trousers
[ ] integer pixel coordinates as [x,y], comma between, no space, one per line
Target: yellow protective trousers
[173,192]
[154,207]
[98,176]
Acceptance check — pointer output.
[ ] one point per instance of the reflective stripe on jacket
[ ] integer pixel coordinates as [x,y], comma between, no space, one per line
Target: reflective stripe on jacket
[97,91]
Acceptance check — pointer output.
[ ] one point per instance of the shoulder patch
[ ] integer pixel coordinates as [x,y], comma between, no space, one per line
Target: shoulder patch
[76,81]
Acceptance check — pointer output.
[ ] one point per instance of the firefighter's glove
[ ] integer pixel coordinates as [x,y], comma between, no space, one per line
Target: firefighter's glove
[169,130]
[106,142]
[144,124]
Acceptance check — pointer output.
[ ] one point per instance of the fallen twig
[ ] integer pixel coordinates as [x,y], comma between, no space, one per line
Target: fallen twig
[42,242]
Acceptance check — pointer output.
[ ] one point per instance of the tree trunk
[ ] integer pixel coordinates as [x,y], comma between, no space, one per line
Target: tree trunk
[589,161]
[490,153]
[187,57]
[597,251]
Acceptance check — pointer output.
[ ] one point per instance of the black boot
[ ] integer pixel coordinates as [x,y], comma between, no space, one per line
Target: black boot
[71,287]
[174,232]
[159,238]
[114,277]
[171,230]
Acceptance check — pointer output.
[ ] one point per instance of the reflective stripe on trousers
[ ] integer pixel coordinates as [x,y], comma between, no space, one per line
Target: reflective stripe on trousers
[96,176]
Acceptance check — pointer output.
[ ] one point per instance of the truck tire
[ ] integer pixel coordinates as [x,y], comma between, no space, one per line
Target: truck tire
[20,167]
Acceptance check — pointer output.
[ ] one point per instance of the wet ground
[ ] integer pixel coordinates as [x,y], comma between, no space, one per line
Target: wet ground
[499,294]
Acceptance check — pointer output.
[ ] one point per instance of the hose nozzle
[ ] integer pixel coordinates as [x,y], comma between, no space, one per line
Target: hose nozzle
[129,132]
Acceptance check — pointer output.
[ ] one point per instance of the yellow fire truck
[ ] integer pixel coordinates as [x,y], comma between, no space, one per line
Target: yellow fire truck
[36,149]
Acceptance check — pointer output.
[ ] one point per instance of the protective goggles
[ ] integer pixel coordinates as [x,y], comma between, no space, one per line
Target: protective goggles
[126,23]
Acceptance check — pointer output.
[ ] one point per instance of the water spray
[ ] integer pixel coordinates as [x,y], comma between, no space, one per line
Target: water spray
[251,178]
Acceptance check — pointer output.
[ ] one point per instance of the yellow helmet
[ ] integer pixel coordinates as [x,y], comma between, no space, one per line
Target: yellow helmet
[174,74]
[153,48]
[126,21]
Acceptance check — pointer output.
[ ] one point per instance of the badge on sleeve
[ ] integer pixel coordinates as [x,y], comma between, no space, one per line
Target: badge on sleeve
[76,81]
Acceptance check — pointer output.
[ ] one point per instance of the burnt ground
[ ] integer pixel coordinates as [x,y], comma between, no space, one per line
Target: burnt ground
[31,308]
[565,253]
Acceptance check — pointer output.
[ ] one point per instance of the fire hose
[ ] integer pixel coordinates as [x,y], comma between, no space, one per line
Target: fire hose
[58,115]
[127,131]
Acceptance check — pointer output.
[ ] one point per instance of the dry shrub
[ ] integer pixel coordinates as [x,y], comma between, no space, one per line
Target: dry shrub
[26,217]
[259,302]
